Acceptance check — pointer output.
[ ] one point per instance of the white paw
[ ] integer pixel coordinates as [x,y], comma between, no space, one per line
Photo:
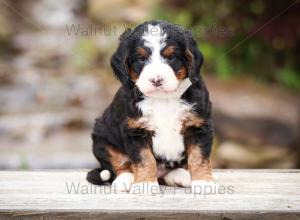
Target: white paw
[123,182]
[204,187]
[145,188]
[178,177]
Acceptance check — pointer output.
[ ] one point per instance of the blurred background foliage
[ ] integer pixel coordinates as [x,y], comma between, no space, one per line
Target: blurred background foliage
[256,38]
[55,76]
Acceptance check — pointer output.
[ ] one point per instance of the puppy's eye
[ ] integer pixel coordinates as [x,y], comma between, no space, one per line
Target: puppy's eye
[171,58]
[141,60]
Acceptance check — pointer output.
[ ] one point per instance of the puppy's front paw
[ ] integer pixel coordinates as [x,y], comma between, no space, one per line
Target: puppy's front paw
[123,182]
[204,187]
[145,188]
[178,177]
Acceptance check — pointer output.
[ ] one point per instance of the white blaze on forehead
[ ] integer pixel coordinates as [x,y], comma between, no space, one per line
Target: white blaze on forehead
[156,66]
[154,38]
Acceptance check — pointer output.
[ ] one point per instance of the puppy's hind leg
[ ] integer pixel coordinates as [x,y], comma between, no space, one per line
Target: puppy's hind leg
[102,175]
[121,166]
[105,173]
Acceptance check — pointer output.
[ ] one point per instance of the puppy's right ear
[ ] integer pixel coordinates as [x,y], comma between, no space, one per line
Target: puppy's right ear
[118,61]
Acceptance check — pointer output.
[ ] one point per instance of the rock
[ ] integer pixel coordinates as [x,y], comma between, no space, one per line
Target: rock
[259,120]
[49,13]
[234,155]
[57,151]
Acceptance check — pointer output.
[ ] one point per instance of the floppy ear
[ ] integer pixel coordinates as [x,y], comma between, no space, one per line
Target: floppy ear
[118,61]
[194,57]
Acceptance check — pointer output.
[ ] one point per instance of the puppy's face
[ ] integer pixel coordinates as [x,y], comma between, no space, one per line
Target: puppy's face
[157,62]
[158,57]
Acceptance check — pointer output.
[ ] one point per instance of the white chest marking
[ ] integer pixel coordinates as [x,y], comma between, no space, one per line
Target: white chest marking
[165,118]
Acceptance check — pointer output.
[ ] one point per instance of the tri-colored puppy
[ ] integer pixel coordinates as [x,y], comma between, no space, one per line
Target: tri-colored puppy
[158,126]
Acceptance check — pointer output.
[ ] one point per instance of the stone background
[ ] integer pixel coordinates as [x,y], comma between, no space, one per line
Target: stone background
[55,82]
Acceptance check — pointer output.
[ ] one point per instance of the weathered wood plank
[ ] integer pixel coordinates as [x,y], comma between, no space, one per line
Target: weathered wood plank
[264,194]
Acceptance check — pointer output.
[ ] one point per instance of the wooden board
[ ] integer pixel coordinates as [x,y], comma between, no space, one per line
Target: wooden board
[247,194]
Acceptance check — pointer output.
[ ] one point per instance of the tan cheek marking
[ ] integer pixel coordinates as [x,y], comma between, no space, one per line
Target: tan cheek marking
[146,170]
[119,161]
[199,167]
[142,53]
[181,73]
[133,75]
[191,120]
[169,51]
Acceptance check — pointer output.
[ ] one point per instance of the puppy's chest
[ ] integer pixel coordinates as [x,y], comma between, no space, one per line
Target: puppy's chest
[165,117]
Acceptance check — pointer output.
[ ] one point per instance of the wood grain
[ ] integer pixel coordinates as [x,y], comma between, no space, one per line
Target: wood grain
[257,194]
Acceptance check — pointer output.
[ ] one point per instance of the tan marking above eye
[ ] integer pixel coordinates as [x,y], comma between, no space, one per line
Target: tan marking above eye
[169,51]
[142,52]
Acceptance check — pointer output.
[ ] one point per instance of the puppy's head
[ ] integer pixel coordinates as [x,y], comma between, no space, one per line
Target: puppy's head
[158,57]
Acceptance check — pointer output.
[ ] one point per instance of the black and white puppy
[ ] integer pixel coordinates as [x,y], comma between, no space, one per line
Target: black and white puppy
[158,126]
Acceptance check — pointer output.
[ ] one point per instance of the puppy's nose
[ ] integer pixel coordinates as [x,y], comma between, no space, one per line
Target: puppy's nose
[156,82]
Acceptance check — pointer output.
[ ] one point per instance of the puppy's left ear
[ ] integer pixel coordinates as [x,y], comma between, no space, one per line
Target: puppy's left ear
[118,61]
[194,57]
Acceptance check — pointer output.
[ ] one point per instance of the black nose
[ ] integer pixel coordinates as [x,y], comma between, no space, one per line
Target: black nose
[156,82]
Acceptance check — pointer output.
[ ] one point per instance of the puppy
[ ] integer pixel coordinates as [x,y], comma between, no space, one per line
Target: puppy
[158,126]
